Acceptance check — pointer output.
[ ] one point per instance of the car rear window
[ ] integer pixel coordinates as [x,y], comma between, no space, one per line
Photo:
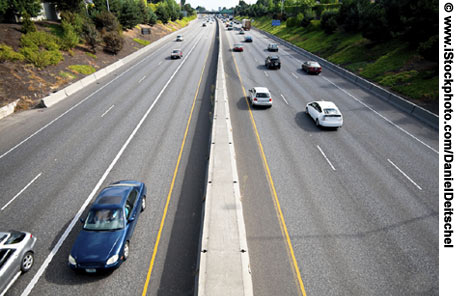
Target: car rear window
[262,95]
[16,237]
[330,111]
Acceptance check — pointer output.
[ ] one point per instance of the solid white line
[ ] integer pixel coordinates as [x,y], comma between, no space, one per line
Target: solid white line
[319,148]
[20,192]
[160,63]
[413,182]
[381,116]
[294,75]
[66,233]
[142,79]
[11,283]
[266,74]
[284,99]
[107,111]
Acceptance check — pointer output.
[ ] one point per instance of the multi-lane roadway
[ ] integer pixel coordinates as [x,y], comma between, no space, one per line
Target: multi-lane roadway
[149,121]
[351,211]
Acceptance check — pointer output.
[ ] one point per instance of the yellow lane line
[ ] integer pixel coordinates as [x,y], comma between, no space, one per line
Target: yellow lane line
[165,211]
[272,188]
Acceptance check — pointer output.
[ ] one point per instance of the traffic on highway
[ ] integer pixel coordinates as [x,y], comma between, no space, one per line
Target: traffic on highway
[339,189]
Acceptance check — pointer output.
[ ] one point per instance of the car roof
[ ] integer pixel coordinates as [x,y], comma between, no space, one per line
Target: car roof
[113,196]
[261,90]
[176,50]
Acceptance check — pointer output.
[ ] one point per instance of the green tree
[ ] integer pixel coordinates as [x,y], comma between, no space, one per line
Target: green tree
[11,8]
[130,14]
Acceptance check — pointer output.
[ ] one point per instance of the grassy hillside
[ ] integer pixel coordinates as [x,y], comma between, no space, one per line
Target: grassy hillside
[393,65]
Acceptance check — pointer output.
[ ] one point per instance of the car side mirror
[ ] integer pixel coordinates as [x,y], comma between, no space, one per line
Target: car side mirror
[131,219]
[82,220]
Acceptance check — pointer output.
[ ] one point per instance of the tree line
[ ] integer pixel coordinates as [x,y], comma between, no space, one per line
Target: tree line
[414,21]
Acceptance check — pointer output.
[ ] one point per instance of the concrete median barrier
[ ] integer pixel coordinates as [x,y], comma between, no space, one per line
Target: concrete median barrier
[54,98]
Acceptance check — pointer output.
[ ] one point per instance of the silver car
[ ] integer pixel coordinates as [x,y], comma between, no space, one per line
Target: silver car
[16,256]
[260,96]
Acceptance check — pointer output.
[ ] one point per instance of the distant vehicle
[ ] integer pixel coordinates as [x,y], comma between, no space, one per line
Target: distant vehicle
[248,39]
[324,113]
[311,67]
[179,38]
[238,47]
[246,24]
[272,47]
[260,96]
[241,31]
[16,256]
[273,61]
[230,28]
[176,54]
[204,24]
[103,243]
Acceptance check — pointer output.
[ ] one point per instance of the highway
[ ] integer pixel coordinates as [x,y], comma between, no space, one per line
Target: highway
[149,121]
[351,211]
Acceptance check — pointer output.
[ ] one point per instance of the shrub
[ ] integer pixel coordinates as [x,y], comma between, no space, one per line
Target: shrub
[130,14]
[42,58]
[91,35]
[27,24]
[308,16]
[328,21]
[291,22]
[429,49]
[70,37]
[38,39]
[141,41]
[8,54]
[152,17]
[76,20]
[106,20]
[113,42]
[82,69]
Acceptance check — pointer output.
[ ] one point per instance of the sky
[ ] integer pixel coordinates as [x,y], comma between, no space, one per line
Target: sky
[215,4]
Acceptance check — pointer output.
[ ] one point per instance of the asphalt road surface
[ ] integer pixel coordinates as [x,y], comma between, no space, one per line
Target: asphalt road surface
[134,124]
[352,211]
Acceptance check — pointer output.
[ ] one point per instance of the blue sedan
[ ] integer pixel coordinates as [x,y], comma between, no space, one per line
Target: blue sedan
[103,243]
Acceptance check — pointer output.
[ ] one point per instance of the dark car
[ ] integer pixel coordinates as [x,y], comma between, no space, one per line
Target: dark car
[248,39]
[103,243]
[311,67]
[272,47]
[273,61]
[16,256]
[238,47]
[176,54]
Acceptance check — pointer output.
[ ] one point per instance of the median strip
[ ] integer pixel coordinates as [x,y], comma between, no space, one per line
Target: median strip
[224,258]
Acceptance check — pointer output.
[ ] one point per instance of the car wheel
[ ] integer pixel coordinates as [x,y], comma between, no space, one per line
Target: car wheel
[27,262]
[126,251]
[143,205]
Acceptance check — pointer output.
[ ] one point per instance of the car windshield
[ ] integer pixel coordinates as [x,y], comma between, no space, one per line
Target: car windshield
[176,51]
[104,219]
[330,111]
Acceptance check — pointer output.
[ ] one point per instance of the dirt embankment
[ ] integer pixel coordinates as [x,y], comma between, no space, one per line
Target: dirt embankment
[29,84]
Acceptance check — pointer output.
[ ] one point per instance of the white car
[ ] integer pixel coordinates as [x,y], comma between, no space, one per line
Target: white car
[260,96]
[324,113]
[179,38]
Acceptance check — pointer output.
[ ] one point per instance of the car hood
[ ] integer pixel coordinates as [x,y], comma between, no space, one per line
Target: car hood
[96,246]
